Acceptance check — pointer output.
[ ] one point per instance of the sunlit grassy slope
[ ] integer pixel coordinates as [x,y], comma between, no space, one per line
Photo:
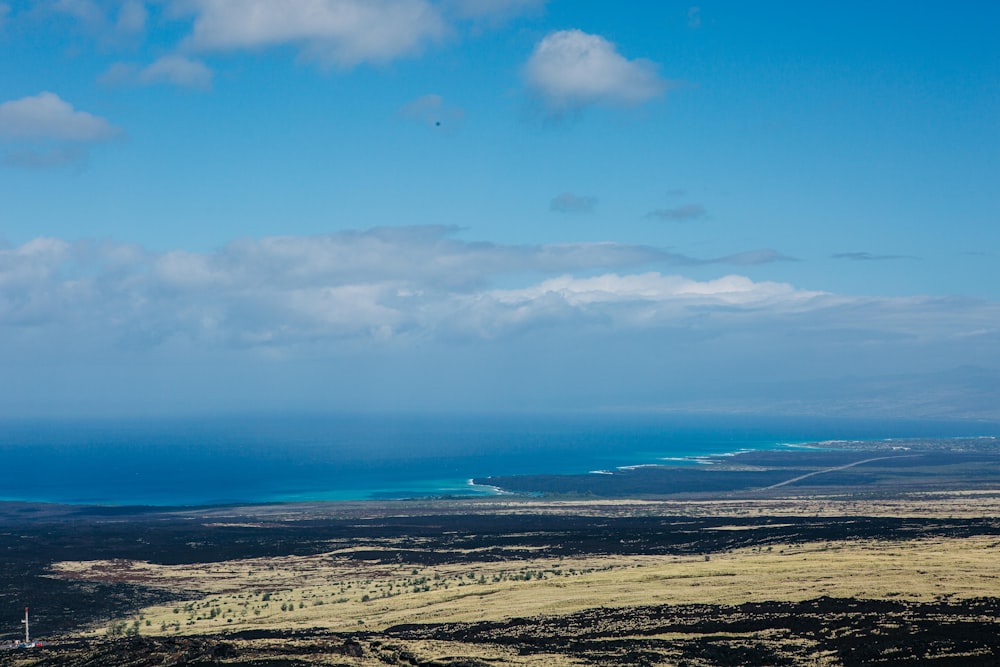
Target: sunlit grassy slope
[331,591]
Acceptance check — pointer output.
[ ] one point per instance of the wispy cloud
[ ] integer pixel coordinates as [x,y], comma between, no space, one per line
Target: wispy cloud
[176,70]
[567,202]
[752,257]
[868,257]
[85,11]
[571,70]
[132,17]
[109,22]
[679,213]
[46,157]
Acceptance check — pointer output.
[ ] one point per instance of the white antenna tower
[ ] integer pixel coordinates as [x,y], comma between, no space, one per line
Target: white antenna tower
[27,633]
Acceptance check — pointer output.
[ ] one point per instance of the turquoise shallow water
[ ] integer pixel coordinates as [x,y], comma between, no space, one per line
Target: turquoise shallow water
[298,458]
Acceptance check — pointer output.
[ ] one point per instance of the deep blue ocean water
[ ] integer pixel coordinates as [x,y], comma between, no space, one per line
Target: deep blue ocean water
[292,458]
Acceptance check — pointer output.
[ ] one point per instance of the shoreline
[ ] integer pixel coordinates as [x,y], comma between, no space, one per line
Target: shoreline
[178,462]
[769,464]
[469,488]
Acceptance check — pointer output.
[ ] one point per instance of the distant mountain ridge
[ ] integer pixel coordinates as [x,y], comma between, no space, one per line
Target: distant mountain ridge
[965,392]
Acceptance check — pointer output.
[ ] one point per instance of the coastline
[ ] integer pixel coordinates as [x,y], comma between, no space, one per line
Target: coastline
[878,466]
[227,474]
[416,489]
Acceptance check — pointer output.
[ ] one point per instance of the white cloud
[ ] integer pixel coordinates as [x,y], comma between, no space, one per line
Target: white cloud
[427,257]
[275,291]
[46,131]
[625,303]
[335,32]
[731,290]
[184,270]
[570,70]
[173,69]
[31,291]
[413,284]
[46,116]
[283,289]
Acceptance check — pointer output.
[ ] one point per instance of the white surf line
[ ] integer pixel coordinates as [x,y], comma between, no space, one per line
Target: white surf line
[844,467]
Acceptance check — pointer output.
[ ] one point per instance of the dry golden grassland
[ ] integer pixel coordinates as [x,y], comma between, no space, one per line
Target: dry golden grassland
[330,591]
[932,504]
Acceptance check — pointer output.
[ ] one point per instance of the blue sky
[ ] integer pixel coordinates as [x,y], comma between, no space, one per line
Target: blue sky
[499,205]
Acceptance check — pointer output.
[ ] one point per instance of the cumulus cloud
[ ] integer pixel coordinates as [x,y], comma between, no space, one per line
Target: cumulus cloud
[567,202]
[342,33]
[570,70]
[44,130]
[176,70]
[432,111]
[46,116]
[679,213]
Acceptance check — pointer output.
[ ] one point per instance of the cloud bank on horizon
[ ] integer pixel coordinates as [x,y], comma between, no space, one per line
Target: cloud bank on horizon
[493,204]
[405,283]
[361,296]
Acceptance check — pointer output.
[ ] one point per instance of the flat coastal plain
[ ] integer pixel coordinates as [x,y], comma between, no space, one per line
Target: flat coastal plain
[855,554]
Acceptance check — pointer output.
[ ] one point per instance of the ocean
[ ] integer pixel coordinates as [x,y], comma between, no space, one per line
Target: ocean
[254,459]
